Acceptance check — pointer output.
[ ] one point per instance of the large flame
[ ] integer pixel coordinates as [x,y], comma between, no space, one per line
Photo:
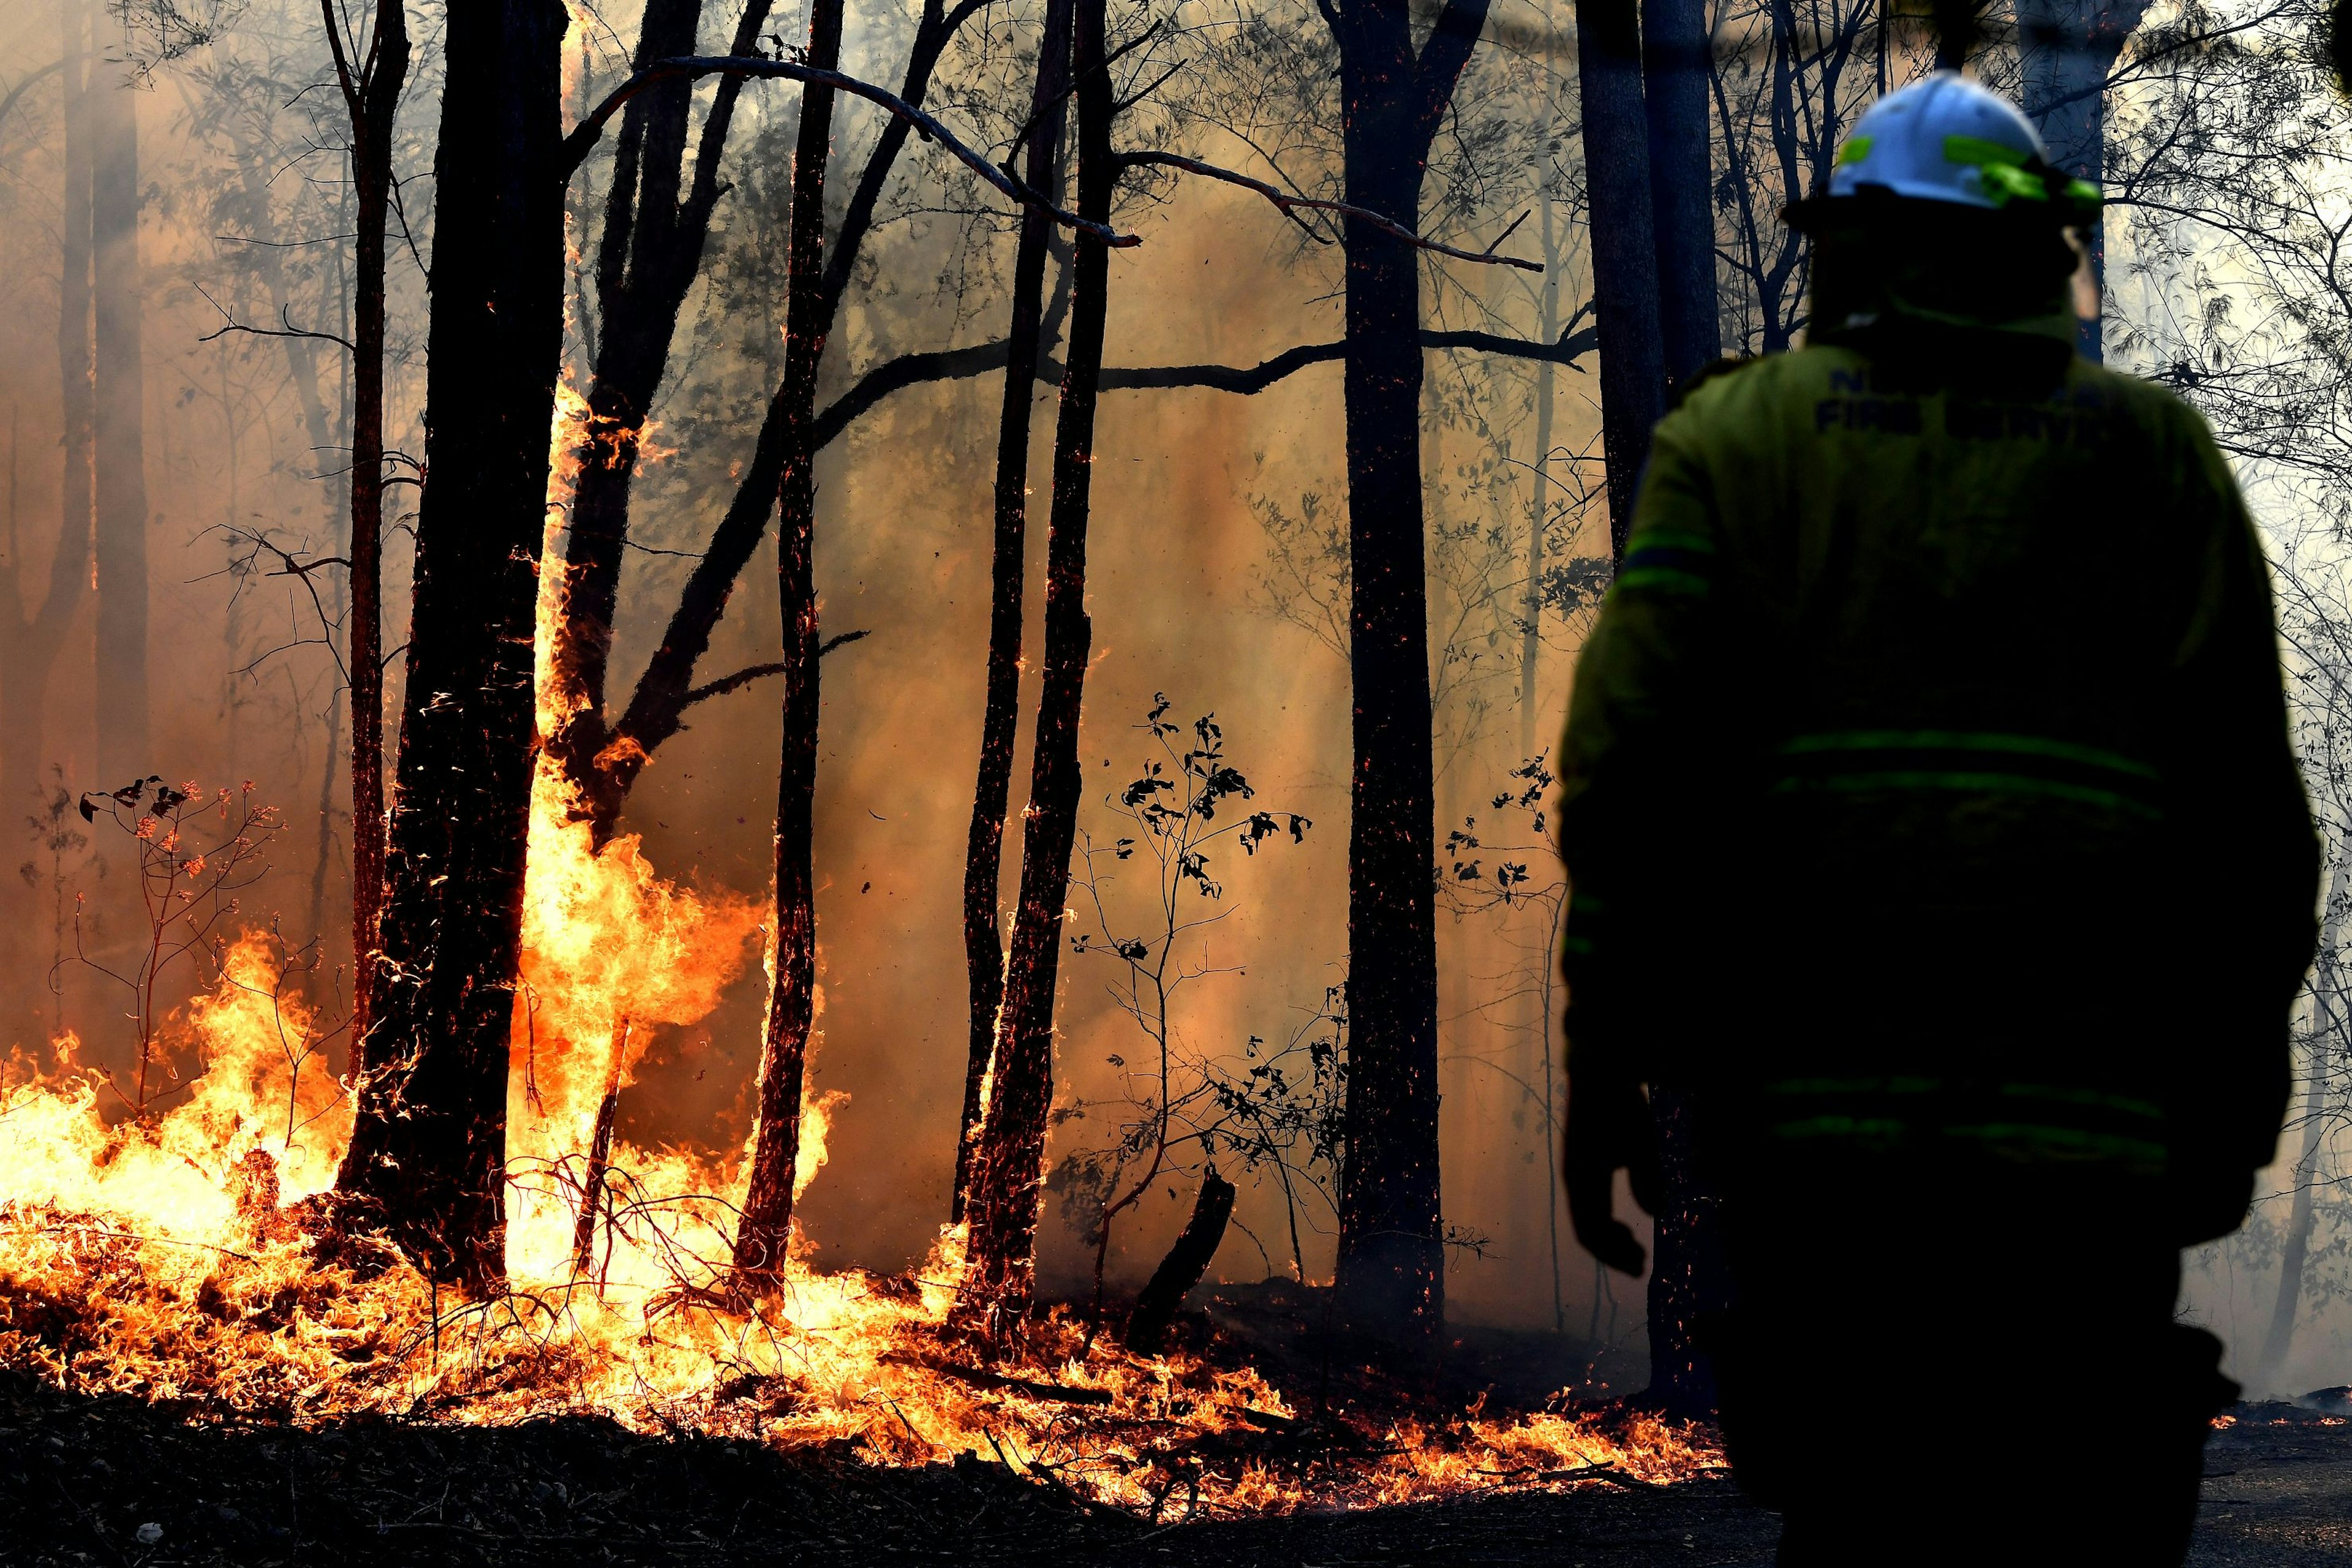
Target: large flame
[168,1258]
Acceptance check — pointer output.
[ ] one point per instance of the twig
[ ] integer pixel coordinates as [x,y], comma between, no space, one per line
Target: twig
[584,136]
[1289,205]
[231,324]
[744,676]
[980,1377]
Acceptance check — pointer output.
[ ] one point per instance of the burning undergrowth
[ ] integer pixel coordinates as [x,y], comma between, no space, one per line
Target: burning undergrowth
[184,1257]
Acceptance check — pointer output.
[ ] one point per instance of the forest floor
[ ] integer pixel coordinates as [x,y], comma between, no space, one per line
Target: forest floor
[118,1481]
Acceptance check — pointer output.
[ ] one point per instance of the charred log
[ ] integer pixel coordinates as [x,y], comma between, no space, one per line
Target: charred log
[1182,1270]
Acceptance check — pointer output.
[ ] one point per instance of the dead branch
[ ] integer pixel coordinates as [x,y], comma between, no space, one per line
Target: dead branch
[980,1377]
[743,677]
[584,136]
[1290,207]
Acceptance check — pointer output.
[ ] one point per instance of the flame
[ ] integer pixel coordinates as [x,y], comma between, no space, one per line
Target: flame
[175,1258]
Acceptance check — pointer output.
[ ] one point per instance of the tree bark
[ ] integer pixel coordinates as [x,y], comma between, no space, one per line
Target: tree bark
[983,950]
[372,96]
[1624,248]
[1682,184]
[427,1147]
[1182,1270]
[120,457]
[647,258]
[2066,48]
[1392,1267]
[762,1240]
[1008,1164]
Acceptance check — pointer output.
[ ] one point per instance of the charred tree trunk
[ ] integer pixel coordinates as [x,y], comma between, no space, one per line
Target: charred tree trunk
[1688,1276]
[427,1147]
[1624,246]
[1008,1164]
[665,690]
[120,455]
[372,97]
[1182,1270]
[1391,1265]
[647,256]
[1682,184]
[2067,48]
[983,950]
[763,1239]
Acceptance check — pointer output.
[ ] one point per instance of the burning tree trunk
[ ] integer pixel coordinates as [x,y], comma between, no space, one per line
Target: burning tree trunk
[648,255]
[428,1144]
[120,402]
[372,97]
[1008,1162]
[984,848]
[763,1239]
[1182,1270]
[1390,1277]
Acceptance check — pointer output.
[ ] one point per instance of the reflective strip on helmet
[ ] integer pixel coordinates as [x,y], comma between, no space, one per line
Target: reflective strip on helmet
[2001,171]
[1855,150]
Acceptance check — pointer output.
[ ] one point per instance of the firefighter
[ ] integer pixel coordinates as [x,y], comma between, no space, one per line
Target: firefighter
[1934,833]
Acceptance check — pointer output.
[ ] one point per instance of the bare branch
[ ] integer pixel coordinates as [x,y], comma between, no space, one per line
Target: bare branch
[584,137]
[743,677]
[1288,204]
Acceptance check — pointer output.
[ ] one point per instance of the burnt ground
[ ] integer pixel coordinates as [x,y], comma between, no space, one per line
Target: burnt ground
[82,1479]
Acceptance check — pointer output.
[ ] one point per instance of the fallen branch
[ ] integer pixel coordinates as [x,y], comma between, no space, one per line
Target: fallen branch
[980,1377]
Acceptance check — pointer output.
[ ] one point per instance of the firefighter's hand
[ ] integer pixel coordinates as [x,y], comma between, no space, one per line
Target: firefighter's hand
[1609,1127]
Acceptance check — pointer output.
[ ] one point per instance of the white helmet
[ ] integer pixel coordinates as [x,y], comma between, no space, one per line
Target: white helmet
[1948,140]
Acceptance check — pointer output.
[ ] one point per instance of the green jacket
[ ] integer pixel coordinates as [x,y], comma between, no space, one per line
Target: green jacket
[1927,779]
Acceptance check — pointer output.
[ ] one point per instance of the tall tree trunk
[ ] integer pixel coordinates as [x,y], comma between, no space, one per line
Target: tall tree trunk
[648,255]
[372,96]
[983,950]
[427,1148]
[1008,1165]
[1688,1274]
[120,457]
[2067,48]
[39,638]
[1391,1267]
[2326,1035]
[1681,186]
[762,1240]
[1624,246]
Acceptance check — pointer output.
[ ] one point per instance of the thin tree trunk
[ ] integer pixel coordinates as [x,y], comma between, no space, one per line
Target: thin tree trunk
[119,458]
[762,1240]
[1624,246]
[373,100]
[427,1148]
[983,950]
[1008,1164]
[1390,1277]
[2067,48]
